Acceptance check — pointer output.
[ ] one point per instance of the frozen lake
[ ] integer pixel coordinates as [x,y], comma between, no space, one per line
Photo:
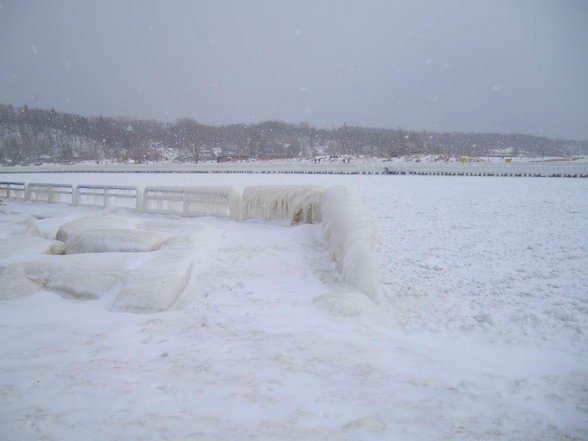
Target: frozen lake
[482,333]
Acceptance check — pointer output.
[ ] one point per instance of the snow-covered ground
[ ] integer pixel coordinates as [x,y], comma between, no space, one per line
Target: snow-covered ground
[481,334]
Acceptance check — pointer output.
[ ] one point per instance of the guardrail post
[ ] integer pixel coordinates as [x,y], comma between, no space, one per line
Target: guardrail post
[139,200]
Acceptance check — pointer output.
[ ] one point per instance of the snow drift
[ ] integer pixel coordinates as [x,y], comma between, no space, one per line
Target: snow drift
[351,236]
[296,204]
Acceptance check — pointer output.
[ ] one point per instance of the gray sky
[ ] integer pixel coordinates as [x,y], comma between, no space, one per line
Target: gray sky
[452,65]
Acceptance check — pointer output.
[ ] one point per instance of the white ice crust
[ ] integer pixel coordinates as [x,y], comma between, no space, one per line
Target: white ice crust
[351,236]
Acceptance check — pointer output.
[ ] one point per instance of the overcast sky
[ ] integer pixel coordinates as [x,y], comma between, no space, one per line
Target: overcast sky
[452,65]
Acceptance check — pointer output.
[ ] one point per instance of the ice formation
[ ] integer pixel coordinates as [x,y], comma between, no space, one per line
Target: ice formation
[219,201]
[296,204]
[351,236]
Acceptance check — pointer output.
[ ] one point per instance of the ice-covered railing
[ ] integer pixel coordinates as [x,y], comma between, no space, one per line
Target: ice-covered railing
[193,201]
[50,193]
[351,236]
[296,204]
[108,195]
[13,190]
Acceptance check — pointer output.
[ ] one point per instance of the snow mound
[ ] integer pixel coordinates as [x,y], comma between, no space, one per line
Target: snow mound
[93,223]
[296,204]
[351,236]
[13,246]
[157,285]
[147,282]
[17,225]
[106,234]
[86,280]
[14,283]
[49,227]
[105,241]
[83,276]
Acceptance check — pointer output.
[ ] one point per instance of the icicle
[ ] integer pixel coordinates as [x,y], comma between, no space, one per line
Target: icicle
[296,204]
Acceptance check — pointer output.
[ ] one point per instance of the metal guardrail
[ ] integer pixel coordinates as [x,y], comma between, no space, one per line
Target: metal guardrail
[108,195]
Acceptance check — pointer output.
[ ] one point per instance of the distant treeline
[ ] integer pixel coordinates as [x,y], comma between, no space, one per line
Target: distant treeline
[29,135]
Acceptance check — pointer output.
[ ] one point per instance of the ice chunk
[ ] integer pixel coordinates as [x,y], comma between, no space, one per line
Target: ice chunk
[296,204]
[351,236]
